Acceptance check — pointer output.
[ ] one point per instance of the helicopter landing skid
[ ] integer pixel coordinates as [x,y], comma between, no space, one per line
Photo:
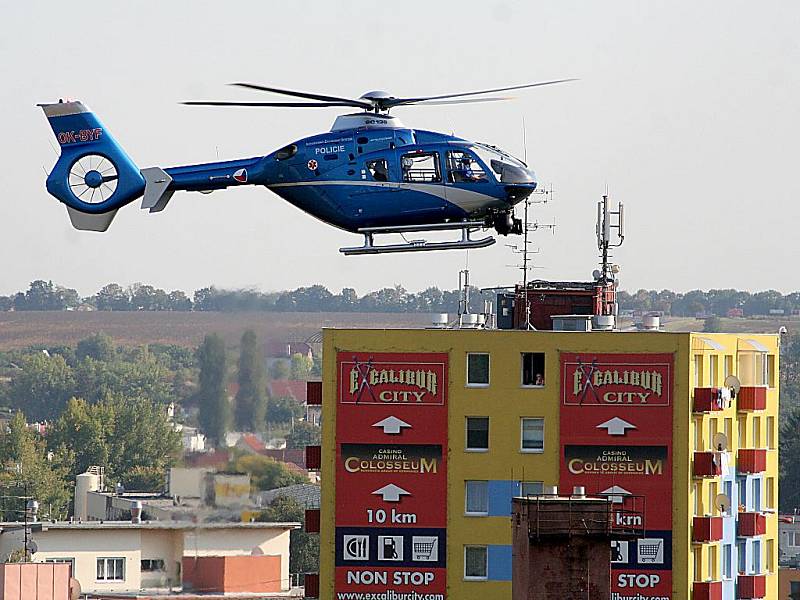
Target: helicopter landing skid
[465,243]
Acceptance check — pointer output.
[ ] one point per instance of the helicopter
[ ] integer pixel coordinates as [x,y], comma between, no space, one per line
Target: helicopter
[368,175]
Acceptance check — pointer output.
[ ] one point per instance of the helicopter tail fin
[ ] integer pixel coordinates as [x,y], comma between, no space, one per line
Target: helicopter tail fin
[93,177]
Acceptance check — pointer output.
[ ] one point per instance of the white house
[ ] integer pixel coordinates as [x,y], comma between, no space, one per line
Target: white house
[125,556]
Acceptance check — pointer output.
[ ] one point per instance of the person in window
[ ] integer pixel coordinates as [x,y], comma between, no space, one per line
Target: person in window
[464,172]
[379,172]
[539,379]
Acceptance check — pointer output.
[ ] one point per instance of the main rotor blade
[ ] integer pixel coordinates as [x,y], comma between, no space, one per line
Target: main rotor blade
[283,104]
[310,96]
[399,101]
[467,101]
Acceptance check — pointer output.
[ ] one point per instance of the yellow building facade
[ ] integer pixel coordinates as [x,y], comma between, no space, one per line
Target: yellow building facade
[505,398]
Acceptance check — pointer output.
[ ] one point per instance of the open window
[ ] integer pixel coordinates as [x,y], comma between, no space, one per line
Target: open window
[421,167]
[463,167]
[533,369]
[378,169]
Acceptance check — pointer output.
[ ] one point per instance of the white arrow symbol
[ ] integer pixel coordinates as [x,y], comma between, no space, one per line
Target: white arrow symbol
[615,493]
[391,493]
[391,425]
[616,426]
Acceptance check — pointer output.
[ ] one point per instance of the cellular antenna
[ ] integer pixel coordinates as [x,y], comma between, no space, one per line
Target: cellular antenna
[606,221]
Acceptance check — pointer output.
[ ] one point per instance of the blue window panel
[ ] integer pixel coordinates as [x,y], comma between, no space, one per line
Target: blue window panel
[499,563]
[500,494]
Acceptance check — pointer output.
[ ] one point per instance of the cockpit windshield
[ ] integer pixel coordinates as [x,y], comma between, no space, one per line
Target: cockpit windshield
[507,168]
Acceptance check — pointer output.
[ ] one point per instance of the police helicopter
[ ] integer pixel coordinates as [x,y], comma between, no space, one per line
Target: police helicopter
[369,174]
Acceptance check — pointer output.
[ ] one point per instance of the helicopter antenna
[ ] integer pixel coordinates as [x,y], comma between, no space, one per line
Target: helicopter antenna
[524,143]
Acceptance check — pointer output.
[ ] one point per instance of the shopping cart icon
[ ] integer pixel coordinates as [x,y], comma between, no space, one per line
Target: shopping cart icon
[425,548]
[650,550]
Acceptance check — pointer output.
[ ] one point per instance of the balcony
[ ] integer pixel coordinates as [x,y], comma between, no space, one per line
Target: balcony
[751,398]
[706,464]
[751,460]
[751,586]
[707,400]
[751,524]
[707,590]
[706,529]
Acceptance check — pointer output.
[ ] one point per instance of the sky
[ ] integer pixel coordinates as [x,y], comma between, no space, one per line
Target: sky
[685,111]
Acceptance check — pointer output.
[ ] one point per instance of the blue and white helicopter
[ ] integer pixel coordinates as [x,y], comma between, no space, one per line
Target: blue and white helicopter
[369,174]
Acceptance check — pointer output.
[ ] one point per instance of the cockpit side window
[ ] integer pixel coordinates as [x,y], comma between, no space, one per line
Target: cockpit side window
[286,152]
[421,167]
[378,169]
[462,167]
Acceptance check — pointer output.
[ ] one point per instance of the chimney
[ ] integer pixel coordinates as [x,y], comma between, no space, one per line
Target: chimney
[136,512]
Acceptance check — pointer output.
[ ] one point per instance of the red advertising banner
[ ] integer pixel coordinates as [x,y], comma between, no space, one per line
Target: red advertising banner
[616,440]
[391,473]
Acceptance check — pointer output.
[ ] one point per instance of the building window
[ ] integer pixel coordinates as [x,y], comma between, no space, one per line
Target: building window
[110,569]
[771,433]
[476,498]
[698,370]
[757,494]
[152,564]
[771,370]
[742,441]
[770,492]
[727,561]
[698,435]
[477,433]
[531,488]
[756,557]
[533,369]
[476,562]
[741,548]
[712,431]
[728,366]
[794,590]
[728,430]
[729,494]
[712,562]
[713,368]
[770,560]
[698,499]
[477,369]
[756,432]
[532,435]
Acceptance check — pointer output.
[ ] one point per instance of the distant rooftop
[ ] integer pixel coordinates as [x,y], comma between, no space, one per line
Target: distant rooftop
[172,525]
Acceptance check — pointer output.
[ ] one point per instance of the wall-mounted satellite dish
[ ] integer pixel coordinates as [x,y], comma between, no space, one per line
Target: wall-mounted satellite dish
[596,274]
[256,551]
[32,547]
[732,381]
[723,503]
[720,441]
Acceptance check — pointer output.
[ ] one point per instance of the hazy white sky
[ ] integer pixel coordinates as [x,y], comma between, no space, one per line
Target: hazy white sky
[686,110]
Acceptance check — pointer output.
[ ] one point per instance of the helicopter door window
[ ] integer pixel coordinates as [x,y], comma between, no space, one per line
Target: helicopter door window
[463,168]
[378,169]
[421,167]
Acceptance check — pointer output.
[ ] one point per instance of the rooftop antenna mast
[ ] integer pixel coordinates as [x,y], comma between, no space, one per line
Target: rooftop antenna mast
[606,221]
[538,197]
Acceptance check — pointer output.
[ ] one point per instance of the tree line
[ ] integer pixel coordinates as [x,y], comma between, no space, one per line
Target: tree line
[45,295]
